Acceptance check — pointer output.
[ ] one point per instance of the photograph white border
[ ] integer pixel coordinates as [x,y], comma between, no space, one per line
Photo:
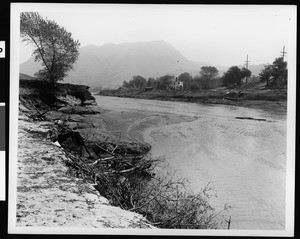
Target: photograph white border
[16,8]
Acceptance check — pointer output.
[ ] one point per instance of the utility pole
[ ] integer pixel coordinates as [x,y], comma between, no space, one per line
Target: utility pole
[283,53]
[247,64]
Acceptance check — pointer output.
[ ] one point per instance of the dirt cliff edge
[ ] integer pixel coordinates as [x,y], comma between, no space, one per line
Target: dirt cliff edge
[49,193]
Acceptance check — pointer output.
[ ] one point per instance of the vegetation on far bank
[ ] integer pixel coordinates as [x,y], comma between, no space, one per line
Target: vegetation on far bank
[275,76]
[235,85]
[255,91]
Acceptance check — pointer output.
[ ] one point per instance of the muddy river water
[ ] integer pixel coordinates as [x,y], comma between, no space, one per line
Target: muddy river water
[243,159]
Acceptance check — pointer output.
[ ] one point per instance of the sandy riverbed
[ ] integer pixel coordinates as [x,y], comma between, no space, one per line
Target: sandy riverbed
[244,159]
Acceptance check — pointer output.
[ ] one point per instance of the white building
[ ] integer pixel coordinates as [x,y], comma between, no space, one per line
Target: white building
[176,84]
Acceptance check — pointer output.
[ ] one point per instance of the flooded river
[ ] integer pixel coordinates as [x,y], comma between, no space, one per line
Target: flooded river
[244,159]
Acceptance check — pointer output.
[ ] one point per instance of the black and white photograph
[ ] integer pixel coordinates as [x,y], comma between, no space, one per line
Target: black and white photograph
[152,119]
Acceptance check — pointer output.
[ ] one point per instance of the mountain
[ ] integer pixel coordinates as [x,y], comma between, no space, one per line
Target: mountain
[111,64]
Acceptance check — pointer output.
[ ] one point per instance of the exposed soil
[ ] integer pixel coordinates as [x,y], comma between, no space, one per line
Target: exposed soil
[49,191]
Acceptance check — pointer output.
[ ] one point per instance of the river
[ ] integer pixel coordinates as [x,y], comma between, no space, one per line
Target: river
[244,160]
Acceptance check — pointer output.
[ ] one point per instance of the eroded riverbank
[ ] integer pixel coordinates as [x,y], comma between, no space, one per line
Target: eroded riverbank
[50,194]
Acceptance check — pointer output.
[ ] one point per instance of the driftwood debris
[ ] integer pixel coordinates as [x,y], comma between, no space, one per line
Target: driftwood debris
[108,162]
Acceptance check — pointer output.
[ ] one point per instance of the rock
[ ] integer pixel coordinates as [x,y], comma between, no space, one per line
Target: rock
[57,144]
[59,122]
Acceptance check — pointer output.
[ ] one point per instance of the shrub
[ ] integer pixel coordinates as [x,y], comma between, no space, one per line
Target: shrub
[165,201]
[137,82]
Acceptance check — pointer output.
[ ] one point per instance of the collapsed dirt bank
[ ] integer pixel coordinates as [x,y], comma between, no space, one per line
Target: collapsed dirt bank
[49,193]
[56,126]
[74,108]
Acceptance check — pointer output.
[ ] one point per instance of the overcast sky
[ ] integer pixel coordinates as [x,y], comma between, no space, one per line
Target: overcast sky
[220,35]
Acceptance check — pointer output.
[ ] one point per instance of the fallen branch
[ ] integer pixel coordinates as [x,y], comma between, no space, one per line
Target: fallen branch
[105,150]
[228,222]
[122,171]
[115,148]
[102,159]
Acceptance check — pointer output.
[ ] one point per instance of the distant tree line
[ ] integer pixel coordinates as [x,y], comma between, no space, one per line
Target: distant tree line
[273,75]
[139,82]
[206,79]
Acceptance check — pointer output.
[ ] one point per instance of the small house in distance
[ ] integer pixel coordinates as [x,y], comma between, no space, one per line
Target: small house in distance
[148,88]
[176,84]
